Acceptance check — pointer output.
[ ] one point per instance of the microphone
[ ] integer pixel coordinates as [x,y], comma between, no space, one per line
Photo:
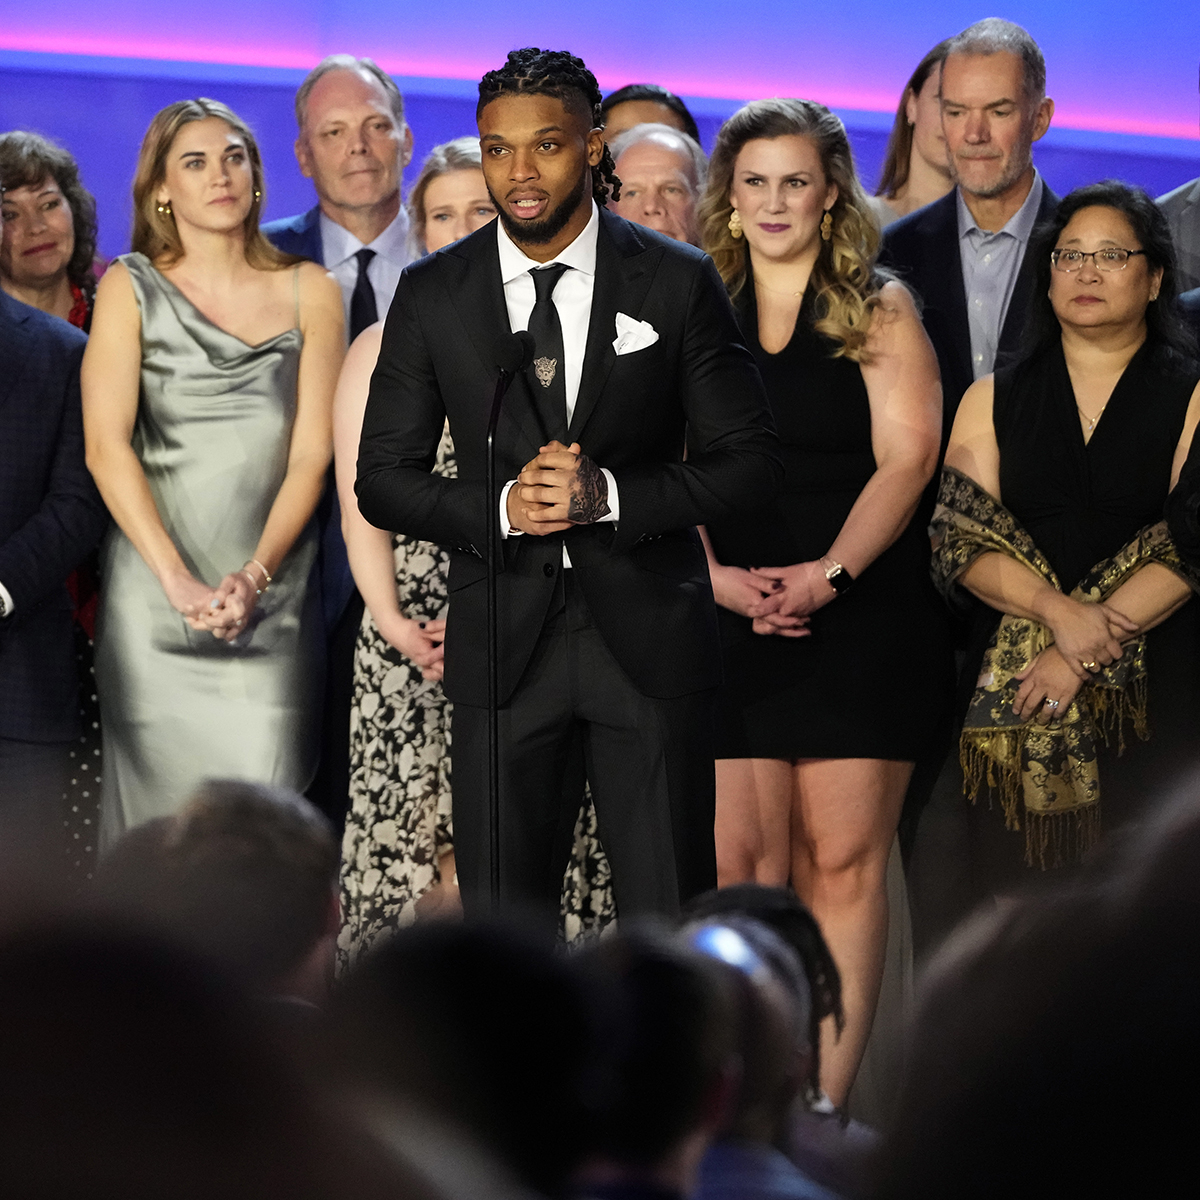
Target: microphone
[512,353]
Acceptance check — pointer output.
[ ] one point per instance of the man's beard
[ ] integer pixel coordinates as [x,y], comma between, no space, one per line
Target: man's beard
[538,233]
[1017,166]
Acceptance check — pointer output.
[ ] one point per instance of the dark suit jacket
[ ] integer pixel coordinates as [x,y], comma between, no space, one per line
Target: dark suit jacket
[1189,306]
[300,235]
[644,579]
[922,249]
[1182,209]
[51,518]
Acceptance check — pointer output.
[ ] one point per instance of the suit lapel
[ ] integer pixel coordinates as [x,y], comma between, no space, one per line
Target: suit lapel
[944,272]
[14,344]
[1018,307]
[623,277]
[478,298]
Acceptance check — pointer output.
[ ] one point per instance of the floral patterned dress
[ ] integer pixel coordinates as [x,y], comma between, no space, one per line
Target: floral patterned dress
[399,824]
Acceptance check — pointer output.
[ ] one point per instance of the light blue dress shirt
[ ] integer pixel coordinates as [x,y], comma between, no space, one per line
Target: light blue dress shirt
[990,265]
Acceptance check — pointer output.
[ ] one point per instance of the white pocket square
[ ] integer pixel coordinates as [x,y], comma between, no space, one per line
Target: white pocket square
[633,335]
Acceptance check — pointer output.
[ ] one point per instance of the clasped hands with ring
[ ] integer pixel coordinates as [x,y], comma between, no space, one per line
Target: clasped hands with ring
[224,610]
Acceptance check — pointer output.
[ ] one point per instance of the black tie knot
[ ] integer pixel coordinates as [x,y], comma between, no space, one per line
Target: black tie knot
[364,257]
[545,280]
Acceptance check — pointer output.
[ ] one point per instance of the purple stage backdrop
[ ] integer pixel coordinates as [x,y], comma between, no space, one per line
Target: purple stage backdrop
[91,75]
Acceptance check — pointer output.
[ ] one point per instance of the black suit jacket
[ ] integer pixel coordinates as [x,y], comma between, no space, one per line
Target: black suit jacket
[922,249]
[645,579]
[51,518]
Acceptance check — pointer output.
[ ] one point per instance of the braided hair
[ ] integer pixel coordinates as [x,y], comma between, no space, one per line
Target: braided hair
[557,73]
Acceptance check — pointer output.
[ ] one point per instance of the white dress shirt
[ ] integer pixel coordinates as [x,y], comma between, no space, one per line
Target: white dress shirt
[339,246]
[991,263]
[8,600]
[573,301]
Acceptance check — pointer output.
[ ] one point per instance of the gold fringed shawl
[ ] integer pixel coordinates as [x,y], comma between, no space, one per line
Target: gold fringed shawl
[1050,771]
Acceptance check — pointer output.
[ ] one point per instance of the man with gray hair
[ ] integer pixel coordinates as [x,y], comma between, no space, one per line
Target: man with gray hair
[353,143]
[965,254]
[662,173]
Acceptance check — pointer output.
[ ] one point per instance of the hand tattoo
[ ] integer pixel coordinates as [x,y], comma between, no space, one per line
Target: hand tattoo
[589,494]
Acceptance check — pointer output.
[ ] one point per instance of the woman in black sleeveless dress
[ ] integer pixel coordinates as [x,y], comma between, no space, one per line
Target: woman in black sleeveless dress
[835,662]
[1079,445]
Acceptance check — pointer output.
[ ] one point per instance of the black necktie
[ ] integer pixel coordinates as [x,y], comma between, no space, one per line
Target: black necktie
[362,303]
[548,378]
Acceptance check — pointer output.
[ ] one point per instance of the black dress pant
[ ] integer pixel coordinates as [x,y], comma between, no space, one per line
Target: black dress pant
[33,780]
[649,763]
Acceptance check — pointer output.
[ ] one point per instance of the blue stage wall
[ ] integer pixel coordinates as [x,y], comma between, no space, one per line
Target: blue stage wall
[99,108]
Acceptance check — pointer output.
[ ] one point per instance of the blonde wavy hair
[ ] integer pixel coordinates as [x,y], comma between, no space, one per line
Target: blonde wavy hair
[846,281]
[154,232]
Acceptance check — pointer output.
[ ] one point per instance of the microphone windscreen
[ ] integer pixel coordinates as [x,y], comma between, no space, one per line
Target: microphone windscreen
[515,351]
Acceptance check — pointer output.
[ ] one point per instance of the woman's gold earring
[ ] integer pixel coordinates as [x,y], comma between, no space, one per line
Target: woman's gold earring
[165,209]
[827,226]
[735,224]
[258,195]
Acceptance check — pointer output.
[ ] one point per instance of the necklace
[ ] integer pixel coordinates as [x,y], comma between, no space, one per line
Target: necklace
[776,291]
[1091,421]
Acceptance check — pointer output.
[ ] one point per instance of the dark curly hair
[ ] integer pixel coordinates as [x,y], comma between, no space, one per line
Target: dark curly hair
[28,159]
[557,73]
[1165,328]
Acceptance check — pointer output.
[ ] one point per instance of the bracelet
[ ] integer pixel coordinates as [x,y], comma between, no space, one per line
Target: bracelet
[253,582]
[253,562]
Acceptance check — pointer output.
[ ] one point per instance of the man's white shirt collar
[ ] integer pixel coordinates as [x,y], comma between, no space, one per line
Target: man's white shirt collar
[580,254]
[339,244]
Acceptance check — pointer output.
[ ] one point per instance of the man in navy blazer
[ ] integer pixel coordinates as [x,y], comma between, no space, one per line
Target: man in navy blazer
[353,143]
[965,254]
[51,518]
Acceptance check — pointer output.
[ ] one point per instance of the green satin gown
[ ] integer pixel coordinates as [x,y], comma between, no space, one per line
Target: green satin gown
[213,430]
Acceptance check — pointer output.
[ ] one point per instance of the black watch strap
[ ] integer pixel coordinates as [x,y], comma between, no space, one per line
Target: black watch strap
[839,578]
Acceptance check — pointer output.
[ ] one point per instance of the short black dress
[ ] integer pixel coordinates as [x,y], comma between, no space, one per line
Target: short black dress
[875,678]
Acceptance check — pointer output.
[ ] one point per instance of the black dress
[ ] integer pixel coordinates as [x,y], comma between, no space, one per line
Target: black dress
[1081,502]
[874,680]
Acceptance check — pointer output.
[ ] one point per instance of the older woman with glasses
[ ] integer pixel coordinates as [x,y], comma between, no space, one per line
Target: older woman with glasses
[1051,515]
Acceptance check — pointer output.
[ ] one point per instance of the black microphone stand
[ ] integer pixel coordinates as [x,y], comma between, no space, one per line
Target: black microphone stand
[513,355]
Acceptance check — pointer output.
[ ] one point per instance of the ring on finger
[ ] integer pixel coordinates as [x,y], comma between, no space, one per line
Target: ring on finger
[1052,705]
[1090,666]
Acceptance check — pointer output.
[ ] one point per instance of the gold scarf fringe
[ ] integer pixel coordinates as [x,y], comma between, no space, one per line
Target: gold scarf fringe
[1050,772]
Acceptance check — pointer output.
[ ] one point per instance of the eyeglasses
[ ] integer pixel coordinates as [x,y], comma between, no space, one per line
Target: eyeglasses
[1111,258]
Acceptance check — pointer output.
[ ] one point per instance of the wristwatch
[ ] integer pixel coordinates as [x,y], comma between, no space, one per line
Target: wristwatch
[837,575]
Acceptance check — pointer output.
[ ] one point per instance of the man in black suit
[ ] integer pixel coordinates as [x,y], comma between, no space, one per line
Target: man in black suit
[51,518]
[353,143]
[965,254]
[607,623]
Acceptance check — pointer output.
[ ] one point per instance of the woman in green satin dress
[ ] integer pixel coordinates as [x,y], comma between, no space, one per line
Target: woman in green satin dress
[207,393]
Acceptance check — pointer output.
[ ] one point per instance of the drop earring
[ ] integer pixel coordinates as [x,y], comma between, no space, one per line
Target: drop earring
[735,224]
[257,196]
[165,209]
[827,226]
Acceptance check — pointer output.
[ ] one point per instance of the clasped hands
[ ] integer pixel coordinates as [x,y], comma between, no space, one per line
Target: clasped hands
[560,488]
[778,600]
[1087,638]
[223,611]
